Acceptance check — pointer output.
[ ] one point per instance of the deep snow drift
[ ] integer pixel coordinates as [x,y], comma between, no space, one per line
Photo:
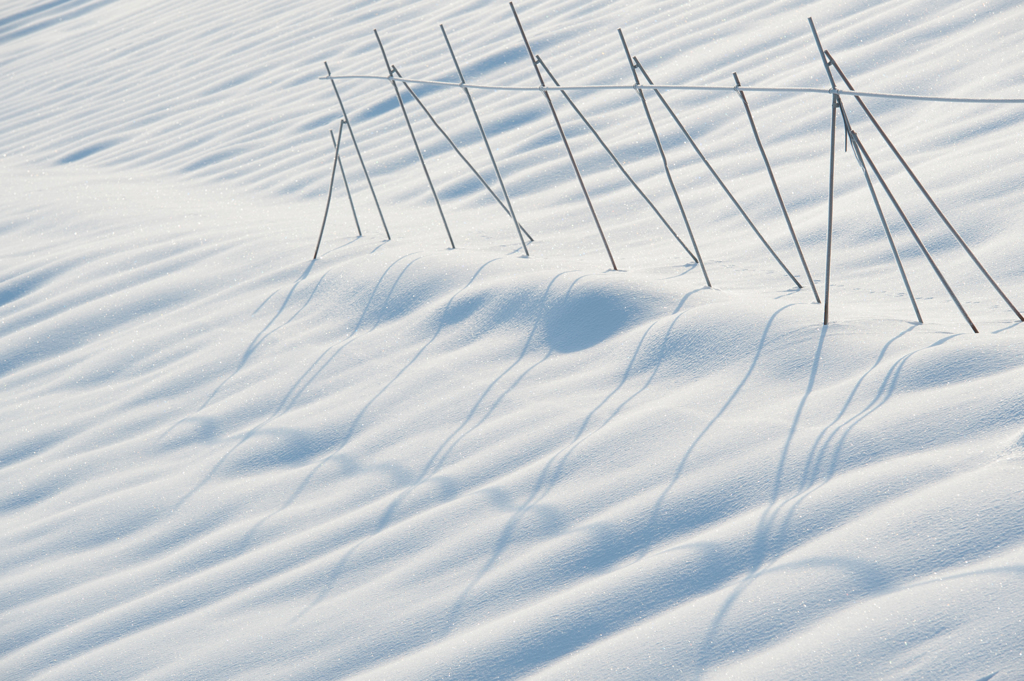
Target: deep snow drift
[224,460]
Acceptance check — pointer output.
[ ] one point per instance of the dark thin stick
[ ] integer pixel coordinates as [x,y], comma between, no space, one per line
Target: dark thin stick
[455,148]
[330,190]
[831,169]
[416,144]
[924,191]
[917,238]
[716,176]
[831,203]
[855,143]
[664,158]
[341,166]
[487,145]
[355,144]
[775,186]
[565,140]
[613,157]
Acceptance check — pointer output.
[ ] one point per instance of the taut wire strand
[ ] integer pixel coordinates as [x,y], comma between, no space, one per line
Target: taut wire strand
[696,88]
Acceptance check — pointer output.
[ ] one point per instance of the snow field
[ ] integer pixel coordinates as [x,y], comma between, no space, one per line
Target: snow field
[224,460]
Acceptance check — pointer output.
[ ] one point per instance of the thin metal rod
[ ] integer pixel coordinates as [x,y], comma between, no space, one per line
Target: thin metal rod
[565,140]
[694,88]
[455,148]
[344,178]
[853,140]
[855,143]
[664,158]
[707,163]
[917,238]
[775,186]
[924,191]
[487,145]
[330,189]
[355,144]
[831,168]
[831,204]
[405,114]
[614,159]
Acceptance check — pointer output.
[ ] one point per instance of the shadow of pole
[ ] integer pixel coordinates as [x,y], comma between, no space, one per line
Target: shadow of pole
[265,332]
[553,468]
[780,515]
[652,522]
[389,512]
[296,389]
[816,459]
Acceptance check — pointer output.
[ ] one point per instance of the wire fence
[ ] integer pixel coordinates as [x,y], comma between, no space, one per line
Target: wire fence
[644,86]
[693,88]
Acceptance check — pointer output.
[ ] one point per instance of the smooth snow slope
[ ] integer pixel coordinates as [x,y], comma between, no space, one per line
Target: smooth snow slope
[221,459]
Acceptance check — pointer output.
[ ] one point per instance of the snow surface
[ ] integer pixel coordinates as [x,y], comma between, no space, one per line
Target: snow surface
[221,459]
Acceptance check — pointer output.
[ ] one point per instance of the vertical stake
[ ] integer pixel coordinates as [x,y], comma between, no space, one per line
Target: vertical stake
[590,127]
[355,144]
[831,204]
[330,188]
[405,114]
[775,186]
[479,124]
[924,191]
[831,168]
[711,169]
[565,140]
[341,167]
[664,158]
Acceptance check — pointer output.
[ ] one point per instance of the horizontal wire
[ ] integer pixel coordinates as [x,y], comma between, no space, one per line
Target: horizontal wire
[703,88]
